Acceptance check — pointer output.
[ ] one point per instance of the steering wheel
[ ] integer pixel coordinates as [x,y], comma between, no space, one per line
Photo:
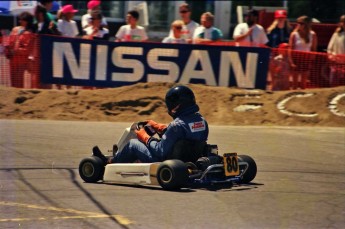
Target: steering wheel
[141,125]
[148,129]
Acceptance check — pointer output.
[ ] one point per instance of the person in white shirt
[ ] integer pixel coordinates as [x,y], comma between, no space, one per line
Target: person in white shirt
[96,30]
[131,31]
[207,33]
[94,8]
[176,37]
[303,40]
[336,45]
[189,25]
[336,54]
[66,25]
[249,31]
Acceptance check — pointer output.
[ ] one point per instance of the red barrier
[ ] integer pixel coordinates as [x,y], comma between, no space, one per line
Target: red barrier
[19,66]
[296,69]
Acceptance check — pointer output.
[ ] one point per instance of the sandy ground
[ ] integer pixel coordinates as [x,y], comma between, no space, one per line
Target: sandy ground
[219,105]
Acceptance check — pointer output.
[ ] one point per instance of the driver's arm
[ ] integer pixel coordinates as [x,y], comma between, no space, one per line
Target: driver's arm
[164,147]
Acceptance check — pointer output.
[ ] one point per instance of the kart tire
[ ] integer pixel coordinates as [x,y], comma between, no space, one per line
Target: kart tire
[91,169]
[250,174]
[172,174]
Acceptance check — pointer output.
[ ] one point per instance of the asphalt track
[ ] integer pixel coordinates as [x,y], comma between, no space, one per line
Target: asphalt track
[300,181]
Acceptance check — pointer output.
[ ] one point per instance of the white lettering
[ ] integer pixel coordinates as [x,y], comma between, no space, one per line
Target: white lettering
[333,105]
[101,66]
[78,71]
[281,105]
[206,73]
[171,67]
[136,66]
[232,59]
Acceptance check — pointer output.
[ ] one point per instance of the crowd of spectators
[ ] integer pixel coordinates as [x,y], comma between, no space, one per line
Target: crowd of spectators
[279,34]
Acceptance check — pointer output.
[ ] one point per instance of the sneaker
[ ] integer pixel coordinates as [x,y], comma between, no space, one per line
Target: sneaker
[97,152]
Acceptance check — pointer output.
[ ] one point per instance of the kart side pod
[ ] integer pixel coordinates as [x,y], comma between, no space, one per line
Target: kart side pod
[170,174]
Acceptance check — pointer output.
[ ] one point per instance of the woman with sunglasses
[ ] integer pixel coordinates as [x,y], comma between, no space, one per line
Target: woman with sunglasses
[188,24]
[302,40]
[176,36]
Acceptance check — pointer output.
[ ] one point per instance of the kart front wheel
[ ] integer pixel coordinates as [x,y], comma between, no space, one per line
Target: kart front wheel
[91,169]
[172,174]
[250,174]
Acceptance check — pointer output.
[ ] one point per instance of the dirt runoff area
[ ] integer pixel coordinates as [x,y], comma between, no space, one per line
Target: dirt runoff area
[219,105]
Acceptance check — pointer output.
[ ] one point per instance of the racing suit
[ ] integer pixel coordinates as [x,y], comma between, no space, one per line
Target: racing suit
[188,124]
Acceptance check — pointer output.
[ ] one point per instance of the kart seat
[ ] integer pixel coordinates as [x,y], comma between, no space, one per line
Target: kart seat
[188,150]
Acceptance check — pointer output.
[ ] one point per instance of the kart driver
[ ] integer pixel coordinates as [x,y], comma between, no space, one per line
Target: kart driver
[188,124]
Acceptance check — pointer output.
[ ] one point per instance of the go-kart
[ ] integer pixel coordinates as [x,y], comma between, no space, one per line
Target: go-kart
[174,173]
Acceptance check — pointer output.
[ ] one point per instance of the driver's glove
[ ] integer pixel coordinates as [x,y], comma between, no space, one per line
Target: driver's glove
[143,136]
[158,127]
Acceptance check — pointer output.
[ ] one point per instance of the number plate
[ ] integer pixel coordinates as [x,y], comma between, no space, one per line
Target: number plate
[231,164]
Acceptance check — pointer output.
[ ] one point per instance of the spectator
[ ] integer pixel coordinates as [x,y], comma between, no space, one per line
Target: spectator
[131,31]
[189,25]
[43,24]
[302,40]
[280,69]
[250,31]
[49,25]
[96,30]
[20,47]
[94,8]
[207,32]
[176,36]
[279,31]
[66,25]
[68,28]
[337,43]
[336,51]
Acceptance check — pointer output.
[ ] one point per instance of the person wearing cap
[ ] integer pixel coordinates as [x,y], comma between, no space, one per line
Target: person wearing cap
[131,31]
[66,25]
[279,31]
[250,31]
[189,25]
[94,8]
[207,33]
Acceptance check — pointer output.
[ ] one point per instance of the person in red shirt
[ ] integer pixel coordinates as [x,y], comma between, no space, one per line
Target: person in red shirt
[20,47]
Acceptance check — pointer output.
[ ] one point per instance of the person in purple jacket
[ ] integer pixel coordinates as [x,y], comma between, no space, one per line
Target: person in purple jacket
[188,127]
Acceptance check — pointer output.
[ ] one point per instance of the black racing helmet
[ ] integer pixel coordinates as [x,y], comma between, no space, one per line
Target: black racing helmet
[178,98]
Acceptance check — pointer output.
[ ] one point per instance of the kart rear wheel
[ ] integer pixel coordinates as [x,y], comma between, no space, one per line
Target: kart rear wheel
[172,174]
[91,169]
[250,174]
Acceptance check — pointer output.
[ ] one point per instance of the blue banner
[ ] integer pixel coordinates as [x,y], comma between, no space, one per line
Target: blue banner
[74,61]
